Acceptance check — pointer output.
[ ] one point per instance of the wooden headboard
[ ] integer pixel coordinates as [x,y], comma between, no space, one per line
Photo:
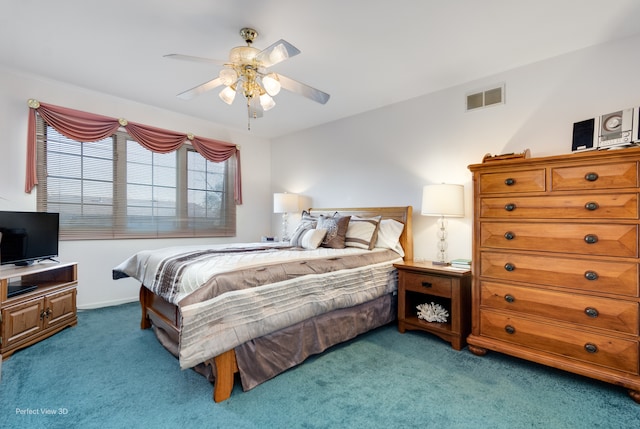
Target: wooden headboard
[401,214]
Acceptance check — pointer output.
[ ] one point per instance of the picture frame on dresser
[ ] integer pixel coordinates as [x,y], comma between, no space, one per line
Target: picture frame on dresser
[556,263]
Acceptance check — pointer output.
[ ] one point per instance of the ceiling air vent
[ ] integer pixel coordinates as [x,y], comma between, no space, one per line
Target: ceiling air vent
[485,98]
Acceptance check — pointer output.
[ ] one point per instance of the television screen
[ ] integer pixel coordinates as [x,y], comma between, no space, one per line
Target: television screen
[28,237]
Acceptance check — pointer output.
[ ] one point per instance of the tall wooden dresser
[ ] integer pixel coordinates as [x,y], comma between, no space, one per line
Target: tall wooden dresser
[556,263]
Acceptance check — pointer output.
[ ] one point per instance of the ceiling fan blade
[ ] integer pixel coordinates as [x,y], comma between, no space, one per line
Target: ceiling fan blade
[200,89]
[304,90]
[194,59]
[277,52]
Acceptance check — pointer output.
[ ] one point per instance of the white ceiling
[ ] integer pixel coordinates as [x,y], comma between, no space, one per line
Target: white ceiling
[365,53]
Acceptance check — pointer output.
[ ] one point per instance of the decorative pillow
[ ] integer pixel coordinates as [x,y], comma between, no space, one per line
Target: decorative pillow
[389,235]
[307,222]
[362,232]
[312,238]
[336,227]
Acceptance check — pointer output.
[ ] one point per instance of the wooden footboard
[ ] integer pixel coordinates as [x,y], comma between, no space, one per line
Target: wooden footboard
[166,316]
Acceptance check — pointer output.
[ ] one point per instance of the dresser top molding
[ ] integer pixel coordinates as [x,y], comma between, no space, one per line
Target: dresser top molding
[611,155]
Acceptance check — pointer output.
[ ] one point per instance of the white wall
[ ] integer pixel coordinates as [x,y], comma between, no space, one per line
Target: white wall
[385,156]
[97,258]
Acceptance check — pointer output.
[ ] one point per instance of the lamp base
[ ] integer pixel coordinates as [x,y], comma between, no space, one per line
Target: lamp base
[440,263]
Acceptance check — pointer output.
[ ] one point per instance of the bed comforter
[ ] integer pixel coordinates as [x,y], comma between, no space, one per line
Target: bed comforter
[229,295]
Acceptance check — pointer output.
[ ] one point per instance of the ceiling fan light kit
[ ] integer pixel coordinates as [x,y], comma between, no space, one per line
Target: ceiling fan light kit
[246,72]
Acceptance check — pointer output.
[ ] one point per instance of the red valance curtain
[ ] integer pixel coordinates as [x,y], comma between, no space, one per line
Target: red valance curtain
[88,127]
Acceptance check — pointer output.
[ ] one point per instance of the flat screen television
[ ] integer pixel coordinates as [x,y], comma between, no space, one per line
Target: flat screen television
[28,237]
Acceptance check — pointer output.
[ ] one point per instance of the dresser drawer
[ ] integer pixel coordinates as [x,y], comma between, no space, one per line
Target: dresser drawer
[589,206]
[585,239]
[603,313]
[425,283]
[620,278]
[598,176]
[513,181]
[612,352]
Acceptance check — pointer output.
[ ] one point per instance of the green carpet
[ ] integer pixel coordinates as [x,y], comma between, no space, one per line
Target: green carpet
[107,373]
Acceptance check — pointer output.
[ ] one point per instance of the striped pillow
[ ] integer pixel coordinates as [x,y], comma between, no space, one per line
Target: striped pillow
[362,232]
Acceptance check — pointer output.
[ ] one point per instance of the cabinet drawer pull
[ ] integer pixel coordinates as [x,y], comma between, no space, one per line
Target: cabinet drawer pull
[591,205]
[510,329]
[591,238]
[591,348]
[426,285]
[509,181]
[591,275]
[591,312]
[591,177]
[509,266]
[509,235]
[509,298]
[510,207]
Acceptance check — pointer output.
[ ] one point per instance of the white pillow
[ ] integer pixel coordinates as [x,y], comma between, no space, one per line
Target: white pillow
[389,235]
[312,238]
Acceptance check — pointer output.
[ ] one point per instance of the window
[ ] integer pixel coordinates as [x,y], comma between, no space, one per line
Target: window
[115,188]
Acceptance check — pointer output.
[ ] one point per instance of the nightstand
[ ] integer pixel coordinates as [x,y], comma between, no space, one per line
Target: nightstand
[424,283]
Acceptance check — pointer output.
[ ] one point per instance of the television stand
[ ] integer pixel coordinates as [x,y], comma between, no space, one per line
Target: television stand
[45,304]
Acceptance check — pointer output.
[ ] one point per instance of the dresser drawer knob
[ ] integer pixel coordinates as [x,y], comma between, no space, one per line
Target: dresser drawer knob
[509,266]
[591,275]
[509,235]
[509,181]
[509,298]
[591,312]
[510,207]
[427,285]
[591,206]
[591,348]
[591,238]
[591,177]
[510,329]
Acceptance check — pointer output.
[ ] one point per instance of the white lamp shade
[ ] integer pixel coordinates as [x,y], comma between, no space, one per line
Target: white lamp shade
[271,84]
[285,203]
[443,200]
[227,95]
[228,76]
[267,102]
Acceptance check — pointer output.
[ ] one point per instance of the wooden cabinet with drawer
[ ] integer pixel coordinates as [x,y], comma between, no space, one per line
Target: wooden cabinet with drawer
[556,274]
[34,315]
[423,283]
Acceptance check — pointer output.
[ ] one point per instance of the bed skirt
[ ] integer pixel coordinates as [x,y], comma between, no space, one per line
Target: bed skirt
[263,358]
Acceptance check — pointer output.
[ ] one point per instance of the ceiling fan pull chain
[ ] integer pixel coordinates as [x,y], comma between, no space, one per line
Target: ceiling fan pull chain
[248,114]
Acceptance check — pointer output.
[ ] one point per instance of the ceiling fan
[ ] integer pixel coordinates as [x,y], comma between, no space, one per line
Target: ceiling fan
[246,71]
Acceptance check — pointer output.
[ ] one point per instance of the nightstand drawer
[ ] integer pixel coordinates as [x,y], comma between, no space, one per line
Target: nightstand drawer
[612,352]
[425,283]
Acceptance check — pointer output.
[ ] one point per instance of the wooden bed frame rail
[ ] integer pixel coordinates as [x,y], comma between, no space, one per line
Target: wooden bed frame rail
[166,316]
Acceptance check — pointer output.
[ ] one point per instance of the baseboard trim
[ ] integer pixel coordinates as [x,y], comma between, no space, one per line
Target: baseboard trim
[94,305]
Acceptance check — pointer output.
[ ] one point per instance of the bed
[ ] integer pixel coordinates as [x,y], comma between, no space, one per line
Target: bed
[259,309]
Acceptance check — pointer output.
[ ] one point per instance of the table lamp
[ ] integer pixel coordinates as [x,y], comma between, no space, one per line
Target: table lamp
[285,203]
[443,200]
